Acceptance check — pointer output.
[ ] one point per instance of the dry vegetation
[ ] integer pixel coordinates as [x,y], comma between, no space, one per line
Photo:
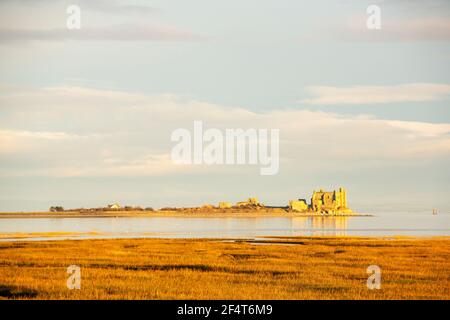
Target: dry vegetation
[287,268]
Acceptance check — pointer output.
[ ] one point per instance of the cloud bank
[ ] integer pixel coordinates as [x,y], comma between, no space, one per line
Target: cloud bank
[71,131]
[124,32]
[413,92]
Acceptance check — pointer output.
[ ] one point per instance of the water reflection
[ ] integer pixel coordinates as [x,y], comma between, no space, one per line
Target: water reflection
[232,227]
[324,226]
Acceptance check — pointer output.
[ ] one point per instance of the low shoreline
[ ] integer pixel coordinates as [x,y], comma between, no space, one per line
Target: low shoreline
[159,213]
[95,235]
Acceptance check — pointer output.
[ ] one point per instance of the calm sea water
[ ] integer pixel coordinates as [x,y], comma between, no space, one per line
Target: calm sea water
[383,224]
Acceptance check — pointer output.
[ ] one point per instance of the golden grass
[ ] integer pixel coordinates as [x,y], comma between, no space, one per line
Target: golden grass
[287,268]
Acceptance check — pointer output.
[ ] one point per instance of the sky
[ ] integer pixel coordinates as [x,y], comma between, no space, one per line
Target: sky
[86,115]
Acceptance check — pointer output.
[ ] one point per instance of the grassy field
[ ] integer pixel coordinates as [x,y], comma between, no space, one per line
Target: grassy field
[286,268]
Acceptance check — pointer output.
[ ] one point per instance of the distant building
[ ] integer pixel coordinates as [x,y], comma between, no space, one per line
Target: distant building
[225,205]
[298,205]
[249,202]
[56,209]
[323,202]
[114,206]
[334,201]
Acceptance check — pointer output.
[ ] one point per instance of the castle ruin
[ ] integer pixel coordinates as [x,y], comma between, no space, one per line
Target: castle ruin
[330,202]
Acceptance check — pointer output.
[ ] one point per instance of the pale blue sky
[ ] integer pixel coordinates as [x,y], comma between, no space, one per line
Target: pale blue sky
[73,104]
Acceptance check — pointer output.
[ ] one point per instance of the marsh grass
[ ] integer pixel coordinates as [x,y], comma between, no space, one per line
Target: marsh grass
[285,268]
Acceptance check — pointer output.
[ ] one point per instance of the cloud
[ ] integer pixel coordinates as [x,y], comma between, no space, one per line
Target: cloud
[117,7]
[146,165]
[69,131]
[423,28]
[101,20]
[124,32]
[38,135]
[16,141]
[105,6]
[434,29]
[422,128]
[413,92]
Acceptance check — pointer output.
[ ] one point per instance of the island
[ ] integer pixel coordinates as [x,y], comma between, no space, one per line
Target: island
[322,203]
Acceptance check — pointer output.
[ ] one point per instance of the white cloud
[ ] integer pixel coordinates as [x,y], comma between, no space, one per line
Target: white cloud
[38,135]
[409,30]
[106,6]
[117,7]
[68,131]
[12,141]
[432,29]
[421,28]
[422,128]
[412,92]
[152,164]
[124,32]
